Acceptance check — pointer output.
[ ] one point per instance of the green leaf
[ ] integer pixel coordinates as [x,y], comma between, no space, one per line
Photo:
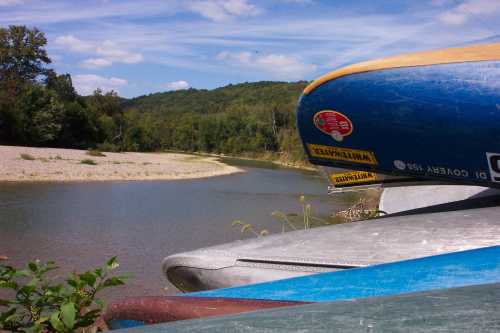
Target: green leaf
[5,315]
[68,315]
[56,322]
[236,222]
[88,278]
[36,328]
[27,289]
[100,303]
[49,266]
[72,282]
[33,267]
[112,263]
[98,272]
[88,319]
[42,320]
[113,281]
[8,284]
[23,272]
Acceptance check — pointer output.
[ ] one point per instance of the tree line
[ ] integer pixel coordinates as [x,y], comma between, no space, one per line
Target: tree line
[39,107]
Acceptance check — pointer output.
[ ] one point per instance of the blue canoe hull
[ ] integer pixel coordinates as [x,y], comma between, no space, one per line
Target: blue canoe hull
[436,121]
[457,269]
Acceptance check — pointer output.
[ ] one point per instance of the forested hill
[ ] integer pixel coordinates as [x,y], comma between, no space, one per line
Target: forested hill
[249,119]
[210,101]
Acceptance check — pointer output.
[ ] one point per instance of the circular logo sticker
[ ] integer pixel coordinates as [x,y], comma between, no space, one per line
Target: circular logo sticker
[333,123]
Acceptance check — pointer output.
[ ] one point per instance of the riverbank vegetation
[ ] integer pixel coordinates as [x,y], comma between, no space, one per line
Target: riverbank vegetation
[39,107]
[362,206]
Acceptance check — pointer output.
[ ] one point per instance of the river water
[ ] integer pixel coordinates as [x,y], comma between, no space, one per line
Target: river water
[79,225]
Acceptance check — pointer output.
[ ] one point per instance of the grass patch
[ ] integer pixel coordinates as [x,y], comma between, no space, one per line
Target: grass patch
[88,162]
[95,153]
[27,157]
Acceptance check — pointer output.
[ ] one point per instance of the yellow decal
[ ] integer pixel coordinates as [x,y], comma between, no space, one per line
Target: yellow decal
[353,177]
[342,154]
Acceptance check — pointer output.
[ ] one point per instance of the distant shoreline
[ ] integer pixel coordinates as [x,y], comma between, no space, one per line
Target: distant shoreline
[29,164]
[278,162]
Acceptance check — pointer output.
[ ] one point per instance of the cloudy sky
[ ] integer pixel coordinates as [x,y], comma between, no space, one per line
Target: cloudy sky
[142,46]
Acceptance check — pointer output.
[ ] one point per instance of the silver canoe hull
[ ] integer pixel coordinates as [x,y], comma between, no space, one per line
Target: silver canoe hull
[331,248]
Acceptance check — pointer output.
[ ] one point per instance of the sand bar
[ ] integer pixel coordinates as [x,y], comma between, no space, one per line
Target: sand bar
[51,164]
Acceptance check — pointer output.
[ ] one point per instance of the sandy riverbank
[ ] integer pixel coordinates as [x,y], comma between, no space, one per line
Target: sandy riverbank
[50,164]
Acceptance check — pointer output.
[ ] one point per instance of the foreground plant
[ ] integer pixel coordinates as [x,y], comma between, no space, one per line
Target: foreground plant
[290,221]
[247,227]
[294,221]
[42,305]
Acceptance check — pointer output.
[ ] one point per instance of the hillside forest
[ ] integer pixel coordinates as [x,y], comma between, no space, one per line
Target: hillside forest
[39,107]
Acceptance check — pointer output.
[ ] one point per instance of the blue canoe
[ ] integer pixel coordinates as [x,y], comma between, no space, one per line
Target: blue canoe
[431,115]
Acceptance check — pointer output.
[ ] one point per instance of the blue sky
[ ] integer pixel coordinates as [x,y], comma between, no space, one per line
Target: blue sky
[140,47]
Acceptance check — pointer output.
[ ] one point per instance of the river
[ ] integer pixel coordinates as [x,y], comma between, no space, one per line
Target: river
[80,224]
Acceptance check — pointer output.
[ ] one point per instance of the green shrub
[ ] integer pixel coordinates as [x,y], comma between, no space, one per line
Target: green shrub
[42,305]
[27,157]
[95,152]
[88,162]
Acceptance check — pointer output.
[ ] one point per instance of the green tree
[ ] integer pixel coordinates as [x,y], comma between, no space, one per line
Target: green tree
[22,61]
[42,114]
[107,111]
[62,85]
[22,56]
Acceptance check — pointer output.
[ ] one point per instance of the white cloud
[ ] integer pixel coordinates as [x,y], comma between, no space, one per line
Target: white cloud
[222,10]
[468,9]
[47,12]
[280,66]
[113,52]
[177,85]
[74,44]
[239,7]
[86,84]
[96,63]
[108,51]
